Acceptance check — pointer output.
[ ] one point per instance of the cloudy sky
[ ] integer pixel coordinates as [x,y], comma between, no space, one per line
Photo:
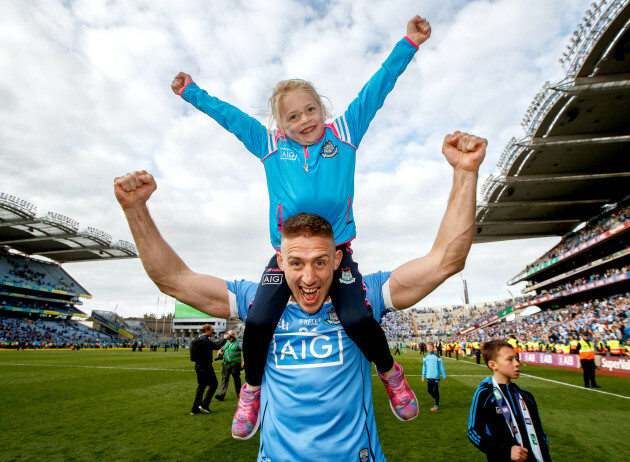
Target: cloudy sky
[85,97]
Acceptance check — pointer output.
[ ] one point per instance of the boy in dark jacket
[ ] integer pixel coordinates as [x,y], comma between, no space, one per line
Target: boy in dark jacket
[504,422]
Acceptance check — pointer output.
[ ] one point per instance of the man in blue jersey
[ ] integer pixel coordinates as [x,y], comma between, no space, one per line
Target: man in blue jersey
[316,396]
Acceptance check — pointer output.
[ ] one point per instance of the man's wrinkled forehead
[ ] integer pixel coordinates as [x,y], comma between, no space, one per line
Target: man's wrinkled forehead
[295,246]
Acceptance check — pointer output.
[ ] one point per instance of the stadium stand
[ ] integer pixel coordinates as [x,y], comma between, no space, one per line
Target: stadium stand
[567,177]
[38,298]
[54,236]
[38,288]
[110,323]
[21,333]
[572,160]
[398,325]
[139,329]
[581,284]
[34,285]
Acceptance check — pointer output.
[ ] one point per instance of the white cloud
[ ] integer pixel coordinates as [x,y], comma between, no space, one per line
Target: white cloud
[86,97]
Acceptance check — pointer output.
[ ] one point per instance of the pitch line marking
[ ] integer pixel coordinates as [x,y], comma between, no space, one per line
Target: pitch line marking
[408,375]
[97,367]
[555,381]
[577,386]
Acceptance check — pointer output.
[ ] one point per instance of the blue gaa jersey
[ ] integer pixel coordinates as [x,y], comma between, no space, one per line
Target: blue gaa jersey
[316,399]
[319,178]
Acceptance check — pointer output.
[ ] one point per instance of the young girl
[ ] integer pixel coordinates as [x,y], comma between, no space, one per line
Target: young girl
[310,168]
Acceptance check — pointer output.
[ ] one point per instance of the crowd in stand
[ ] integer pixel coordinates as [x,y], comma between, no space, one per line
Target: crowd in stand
[584,280]
[113,318]
[22,334]
[31,304]
[14,332]
[477,314]
[596,226]
[605,319]
[397,325]
[21,273]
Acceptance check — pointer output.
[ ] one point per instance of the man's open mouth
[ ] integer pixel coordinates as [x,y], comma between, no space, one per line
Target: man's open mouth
[309,295]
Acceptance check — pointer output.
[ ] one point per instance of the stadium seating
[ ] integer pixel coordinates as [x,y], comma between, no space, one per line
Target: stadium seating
[583,283]
[37,300]
[21,270]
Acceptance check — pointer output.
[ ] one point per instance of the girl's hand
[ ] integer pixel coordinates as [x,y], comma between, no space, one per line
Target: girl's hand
[179,83]
[418,30]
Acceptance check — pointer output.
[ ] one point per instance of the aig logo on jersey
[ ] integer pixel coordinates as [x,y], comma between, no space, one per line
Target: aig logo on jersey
[305,350]
[275,279]
[287,154]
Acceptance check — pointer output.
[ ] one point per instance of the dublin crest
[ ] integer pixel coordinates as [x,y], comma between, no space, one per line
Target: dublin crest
[346,276]
[332,318]
[329,149]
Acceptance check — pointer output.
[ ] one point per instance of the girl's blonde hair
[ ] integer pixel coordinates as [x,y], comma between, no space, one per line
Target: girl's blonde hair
[283,88]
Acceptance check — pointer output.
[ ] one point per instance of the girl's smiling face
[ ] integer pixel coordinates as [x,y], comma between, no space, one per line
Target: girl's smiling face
[301,118]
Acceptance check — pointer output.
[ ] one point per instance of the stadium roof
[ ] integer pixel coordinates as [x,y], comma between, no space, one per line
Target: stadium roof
[55,236]
[574,158]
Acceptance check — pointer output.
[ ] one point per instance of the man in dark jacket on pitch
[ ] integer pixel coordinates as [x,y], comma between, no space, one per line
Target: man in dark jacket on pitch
[201,353]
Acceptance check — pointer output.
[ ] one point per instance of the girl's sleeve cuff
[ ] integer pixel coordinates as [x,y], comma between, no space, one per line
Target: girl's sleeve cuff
[185,86]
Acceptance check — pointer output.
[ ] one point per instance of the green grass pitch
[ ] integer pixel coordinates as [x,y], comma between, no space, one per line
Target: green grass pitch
[125,406]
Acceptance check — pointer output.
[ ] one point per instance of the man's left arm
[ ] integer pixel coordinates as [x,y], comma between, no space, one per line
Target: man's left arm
[218,345]
[414,280]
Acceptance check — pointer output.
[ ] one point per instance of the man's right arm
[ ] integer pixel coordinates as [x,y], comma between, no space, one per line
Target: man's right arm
[166,269]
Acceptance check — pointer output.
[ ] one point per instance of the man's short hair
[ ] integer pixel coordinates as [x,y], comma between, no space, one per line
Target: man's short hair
[307,225]
[206,327]
[490,350]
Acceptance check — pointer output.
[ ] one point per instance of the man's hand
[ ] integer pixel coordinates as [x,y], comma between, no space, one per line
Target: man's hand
[418,30]
[134,189]
[519,453]
[464,151]
[179,82]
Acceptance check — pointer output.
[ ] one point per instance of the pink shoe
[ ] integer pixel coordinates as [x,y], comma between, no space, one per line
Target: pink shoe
[402,399]
[245,423]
